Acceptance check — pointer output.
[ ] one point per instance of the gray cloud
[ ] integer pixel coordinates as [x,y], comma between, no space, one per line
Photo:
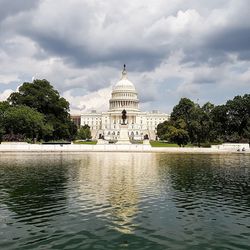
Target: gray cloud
[231,40]
[86,36]
[8,8]
[81,46]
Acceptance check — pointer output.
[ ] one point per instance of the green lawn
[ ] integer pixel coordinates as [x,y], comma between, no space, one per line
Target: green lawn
[166,144]
[162,144]
[85,142]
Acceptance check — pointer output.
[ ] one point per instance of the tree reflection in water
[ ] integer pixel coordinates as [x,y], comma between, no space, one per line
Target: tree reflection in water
[31,184]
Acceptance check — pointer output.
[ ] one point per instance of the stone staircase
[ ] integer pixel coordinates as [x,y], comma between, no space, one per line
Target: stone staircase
[151,135]
[95,134]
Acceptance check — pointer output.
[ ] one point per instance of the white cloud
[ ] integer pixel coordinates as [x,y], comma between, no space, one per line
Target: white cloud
[184,21]
[172,48]
[5,94]
[7,78]
[97,100]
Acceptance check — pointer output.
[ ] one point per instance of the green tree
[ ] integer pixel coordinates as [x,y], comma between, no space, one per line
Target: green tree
[163,130]
[3,107]
[238,113]
[190,119]
[83,133]
[199,125]
[175,134]
[41,95]
[184,110]
[231,122]
[179,136]
[25,121]
[190,115]
[246,131]
[208,131]
[220,122]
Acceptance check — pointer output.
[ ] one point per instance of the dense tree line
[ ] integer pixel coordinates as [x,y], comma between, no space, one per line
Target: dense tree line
[191,123]
[36,112]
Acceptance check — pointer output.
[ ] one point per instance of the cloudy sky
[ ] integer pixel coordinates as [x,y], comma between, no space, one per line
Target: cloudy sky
[172,49]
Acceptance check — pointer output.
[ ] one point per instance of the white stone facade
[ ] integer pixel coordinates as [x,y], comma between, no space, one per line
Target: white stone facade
[107,124]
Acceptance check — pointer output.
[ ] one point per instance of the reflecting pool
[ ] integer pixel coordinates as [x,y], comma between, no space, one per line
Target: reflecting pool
[125,201]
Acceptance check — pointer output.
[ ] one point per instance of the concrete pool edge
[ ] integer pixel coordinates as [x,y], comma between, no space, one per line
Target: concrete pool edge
[73,148]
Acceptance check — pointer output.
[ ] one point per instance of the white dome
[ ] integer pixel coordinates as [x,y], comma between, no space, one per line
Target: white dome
[124,95]
[124,83]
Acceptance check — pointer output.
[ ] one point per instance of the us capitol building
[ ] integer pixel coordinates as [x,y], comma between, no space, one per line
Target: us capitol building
[107,125]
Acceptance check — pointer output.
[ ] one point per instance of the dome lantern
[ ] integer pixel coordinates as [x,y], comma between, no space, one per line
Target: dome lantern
[124,73]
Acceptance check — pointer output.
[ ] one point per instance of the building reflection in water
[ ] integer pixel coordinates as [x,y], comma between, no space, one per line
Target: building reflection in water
[114,183]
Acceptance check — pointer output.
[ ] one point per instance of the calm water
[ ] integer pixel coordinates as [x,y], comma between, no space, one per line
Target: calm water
[125,201]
